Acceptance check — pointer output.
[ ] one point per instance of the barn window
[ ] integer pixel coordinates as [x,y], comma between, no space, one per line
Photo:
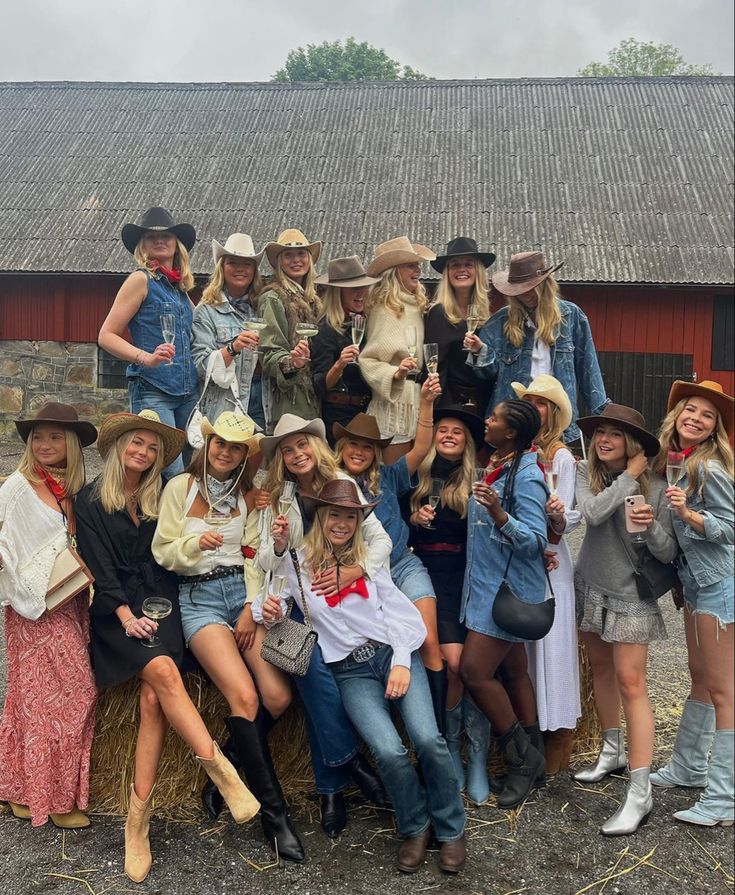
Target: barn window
[723,333]
[110,371]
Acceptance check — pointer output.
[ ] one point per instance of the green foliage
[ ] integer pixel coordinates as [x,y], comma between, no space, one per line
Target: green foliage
[348,61]
[634,58]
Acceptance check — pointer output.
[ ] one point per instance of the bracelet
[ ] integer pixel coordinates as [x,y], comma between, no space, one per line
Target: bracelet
[230,346]
[426,424]
[127,625]
[138,357]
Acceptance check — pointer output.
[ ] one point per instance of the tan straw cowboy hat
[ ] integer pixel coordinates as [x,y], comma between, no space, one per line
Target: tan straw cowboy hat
[235,428]
[346,272]
[62,415]
[710,390]
[526,271]
[549,388]
[237,245]
[147,420]
[290,424]
[398,251]
[291,239]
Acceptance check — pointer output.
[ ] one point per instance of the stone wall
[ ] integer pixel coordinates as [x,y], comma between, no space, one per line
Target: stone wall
[32,373]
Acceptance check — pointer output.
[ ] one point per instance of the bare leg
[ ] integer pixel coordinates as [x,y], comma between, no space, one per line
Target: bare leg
[718,655]
[273,685]
[452,655]
[216,649]
[481,657]
[518,685]
[696,660]
[430,652]
[630,669]
[604,681]
[149,745]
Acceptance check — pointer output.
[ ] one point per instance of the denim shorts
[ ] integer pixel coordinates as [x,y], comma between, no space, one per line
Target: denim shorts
[716,599]
[410,576]
[217,602]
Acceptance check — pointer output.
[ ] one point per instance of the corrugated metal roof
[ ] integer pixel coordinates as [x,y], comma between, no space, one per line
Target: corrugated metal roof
[629,180]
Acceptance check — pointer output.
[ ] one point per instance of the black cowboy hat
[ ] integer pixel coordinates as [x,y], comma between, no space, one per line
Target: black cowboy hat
[462,246]
[157,219]
[475,423]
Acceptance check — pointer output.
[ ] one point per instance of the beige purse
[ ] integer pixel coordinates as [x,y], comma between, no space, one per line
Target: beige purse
[69,577]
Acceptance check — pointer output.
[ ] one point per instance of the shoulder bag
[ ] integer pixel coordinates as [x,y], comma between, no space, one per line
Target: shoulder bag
[289,644]
[653,578]
[69,573]
[527,621]
[194,423]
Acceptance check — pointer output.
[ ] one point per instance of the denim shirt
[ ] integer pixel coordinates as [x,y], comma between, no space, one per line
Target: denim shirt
[573,362]
[488,547]
[213,327]
[709,556]
[180,377]
[395,482]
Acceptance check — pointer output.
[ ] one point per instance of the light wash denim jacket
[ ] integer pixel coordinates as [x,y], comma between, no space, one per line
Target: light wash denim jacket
[573,362]
[709,556]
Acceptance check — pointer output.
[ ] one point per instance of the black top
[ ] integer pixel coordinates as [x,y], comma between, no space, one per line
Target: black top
[448,528]
[118,554]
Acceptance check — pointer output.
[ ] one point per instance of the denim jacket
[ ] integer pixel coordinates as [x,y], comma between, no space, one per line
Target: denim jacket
[213,327]
[573,362]
[709,556]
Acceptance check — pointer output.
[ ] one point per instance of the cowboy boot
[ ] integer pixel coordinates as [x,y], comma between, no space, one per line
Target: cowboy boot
[524,765]
[241,802]
[635,807]
[438,689]
[611,760]
[453,737]
[688,763]
[534,734]
[477,728]
[138,858]
[558,747]
[366,778]
[715,806]
[211,797]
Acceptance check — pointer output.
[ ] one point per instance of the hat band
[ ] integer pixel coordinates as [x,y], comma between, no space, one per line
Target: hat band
[522,278]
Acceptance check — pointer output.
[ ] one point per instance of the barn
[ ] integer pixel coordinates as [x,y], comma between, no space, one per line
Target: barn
[629,181]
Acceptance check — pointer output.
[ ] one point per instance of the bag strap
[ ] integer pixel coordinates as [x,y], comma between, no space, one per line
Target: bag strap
[636,566]
[543,562]
[304,602]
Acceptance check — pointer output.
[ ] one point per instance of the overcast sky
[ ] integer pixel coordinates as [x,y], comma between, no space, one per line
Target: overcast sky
[244,40]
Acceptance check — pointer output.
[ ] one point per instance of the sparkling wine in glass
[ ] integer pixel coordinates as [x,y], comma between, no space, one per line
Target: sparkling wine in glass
[156,609]
[168,328]
[480,475]
[278,582]
[306,330]
[674,468]
[358,330]
[412,344]
[552,479]
[437,486]
[431,354]
[254,324]
[473,321]
[288,492]
[216,519]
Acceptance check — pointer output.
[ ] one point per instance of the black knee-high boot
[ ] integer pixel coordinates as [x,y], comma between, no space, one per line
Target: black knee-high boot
[438,689]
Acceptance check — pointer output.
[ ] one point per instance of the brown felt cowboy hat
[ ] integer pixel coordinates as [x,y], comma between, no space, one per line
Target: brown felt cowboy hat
[398,251]
[291,239]
[526,271]
[710,390]
[118,424]
[158,219]
[237,245]
[361,426]
[625,418]
[62,415]
[474,423]
[462,247]
[346,272]
[337,493]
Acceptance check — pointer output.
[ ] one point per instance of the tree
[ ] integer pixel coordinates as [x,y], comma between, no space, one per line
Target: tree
[351,61]
[635,59]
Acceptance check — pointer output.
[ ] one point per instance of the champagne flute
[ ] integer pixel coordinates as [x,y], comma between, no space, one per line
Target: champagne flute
[168,328]
[278,582]
[674,468]
[255,325]
[480,475]
[260,478]
[216,519]
[431,355]
[437,486]
[552,479]
[358,330]
[288,493]
[155,608]
[412,344]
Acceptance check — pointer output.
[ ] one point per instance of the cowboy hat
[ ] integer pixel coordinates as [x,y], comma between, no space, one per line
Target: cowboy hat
[549,388]
[462,247]
[345,272]
[526,271]
[63,415]
[337,493]
[292,239]
[233,427]
[290,424]
[157,219]
[361,426]
[625,418]
[398,251]
[237,245]
[710,390]
[472,421]
[147,420]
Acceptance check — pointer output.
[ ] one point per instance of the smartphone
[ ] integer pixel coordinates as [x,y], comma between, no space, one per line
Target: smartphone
[635,500]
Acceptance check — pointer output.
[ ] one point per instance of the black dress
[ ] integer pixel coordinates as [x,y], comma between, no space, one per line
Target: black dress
[118,554]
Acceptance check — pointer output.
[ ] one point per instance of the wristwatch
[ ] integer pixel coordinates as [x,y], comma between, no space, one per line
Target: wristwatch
[230,348]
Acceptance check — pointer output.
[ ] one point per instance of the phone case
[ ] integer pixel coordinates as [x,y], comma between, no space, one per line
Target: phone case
[636,500]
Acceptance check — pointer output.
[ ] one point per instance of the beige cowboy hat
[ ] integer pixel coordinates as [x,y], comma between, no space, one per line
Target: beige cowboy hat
[710,390]
[337,493]
[549,388]
[148,420]
[526,271]
[235,428]
[362,425]
[292,239]
[62,415]
[398,251]
[290,424]
[237,245]
[346,272]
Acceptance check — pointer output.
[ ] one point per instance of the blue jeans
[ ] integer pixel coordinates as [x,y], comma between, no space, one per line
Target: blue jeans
[331,735]
[174,410]
[255,402]
[362,685]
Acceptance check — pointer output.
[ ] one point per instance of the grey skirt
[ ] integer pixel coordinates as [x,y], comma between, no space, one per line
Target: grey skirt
[615,620]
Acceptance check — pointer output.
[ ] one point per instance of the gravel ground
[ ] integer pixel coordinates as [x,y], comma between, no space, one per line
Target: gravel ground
[550,847]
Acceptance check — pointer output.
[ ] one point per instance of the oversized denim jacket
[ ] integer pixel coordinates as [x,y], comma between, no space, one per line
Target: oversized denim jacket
[709,556]
[573,362]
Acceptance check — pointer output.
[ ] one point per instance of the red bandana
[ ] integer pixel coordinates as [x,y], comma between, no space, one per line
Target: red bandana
[173,276]
[495,474]
[357,587]
[687,451]
[58,489]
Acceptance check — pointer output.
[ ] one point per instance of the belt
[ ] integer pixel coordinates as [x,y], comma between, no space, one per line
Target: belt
[218,572]
[440,548]
[366,651]
[347,400]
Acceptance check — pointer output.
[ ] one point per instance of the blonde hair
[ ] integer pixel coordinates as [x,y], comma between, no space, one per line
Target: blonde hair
[181,263]
[551,432]
[458,488]
[715,448]
[548,315]
[372,473]
[212,294]
[319,553]
[445,296]
[74,462]
[301,303]
[389,293]
[110,486]
[598,476]
[332,310]
[325,471]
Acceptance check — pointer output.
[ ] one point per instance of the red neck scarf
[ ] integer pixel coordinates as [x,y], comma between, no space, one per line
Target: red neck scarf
[358,587]
[505,462]
[56,485]
[173,276]
[686,451]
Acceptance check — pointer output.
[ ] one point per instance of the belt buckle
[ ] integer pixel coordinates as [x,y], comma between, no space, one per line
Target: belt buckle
[363,653]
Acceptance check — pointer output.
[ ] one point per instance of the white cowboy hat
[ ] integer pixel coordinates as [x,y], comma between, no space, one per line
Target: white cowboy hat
[235,428]
[290,424]
[238,245]
[398,251]
[118,424]
[291,239]
[549,388]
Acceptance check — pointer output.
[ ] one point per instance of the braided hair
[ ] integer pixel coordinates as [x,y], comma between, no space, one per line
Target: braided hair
[524,418]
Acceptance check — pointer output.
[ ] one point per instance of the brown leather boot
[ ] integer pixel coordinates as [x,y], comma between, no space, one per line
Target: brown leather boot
[452,855]
[412,852]
[558,745]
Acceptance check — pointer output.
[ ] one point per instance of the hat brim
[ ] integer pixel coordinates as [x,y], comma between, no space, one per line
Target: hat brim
[724,403]
[501,284]
[651,445]
[485,258]
[251,442]
[86,432]
[384,262]
[274,249]
[474,423]
[354,283]
[340,431]
[219,251]
[119,423]
[312,504]
[269,443]
[560,401]
[131,234]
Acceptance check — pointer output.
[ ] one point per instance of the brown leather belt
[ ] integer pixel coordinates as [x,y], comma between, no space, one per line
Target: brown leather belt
[440,548]
[348,400]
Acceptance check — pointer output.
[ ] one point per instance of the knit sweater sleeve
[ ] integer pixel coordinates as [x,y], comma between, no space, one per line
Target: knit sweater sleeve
[384,349]
[172,548]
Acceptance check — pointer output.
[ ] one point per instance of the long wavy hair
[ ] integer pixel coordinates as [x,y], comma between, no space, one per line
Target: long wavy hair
[212,294]
[109,488]
[181,263]
[325,471]
[332,310]
[319,554]
[390,293]
[74,463]
[458,488]
[372,473]
[301,303]
[548,315]
[445,296]
[598,476]
[715,448]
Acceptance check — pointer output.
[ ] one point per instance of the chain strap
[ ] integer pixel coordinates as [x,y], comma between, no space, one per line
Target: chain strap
[304,602]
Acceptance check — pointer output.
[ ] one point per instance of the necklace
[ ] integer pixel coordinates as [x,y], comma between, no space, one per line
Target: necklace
[496,460]
[132,498]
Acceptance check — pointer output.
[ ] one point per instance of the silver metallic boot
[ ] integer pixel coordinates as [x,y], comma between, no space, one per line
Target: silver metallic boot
[611,759]
[635,807]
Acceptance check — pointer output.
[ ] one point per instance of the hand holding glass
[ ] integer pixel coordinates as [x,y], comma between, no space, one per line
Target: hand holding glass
[168,328]
[358,330]
[480,474]
[216,519]
[155,608]
[431,355]
[674,468]
[437,486]
[288,492]
[412,345]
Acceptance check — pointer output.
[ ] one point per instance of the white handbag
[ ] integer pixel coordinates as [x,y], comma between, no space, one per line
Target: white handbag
[194,423]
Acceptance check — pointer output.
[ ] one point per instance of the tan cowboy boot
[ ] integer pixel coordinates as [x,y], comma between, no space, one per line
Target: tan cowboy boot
[242,803]
[138,858]
[71,820]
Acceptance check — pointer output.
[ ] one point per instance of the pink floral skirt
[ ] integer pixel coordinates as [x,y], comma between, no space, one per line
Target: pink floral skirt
[48,720]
